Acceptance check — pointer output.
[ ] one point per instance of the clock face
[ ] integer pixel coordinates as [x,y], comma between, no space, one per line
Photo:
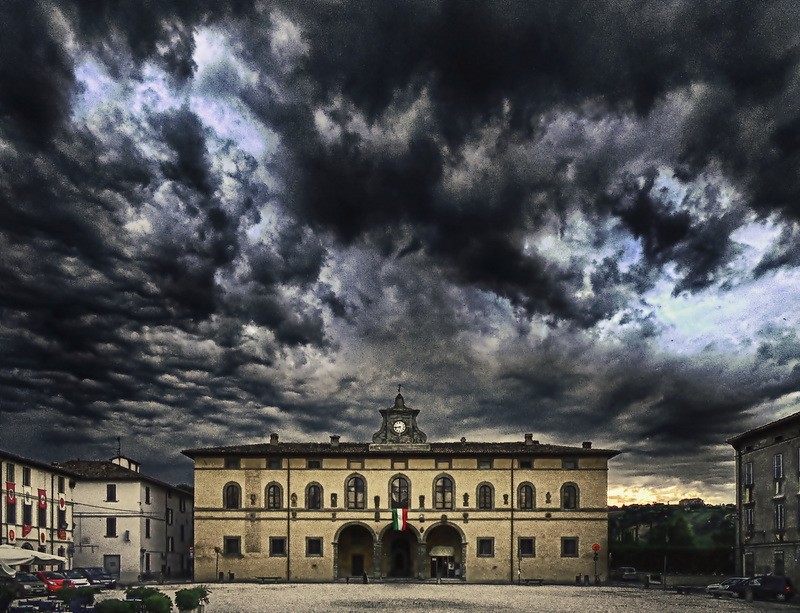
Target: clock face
[399,426]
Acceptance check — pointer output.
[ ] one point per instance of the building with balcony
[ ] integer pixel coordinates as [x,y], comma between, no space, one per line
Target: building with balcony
[37,507]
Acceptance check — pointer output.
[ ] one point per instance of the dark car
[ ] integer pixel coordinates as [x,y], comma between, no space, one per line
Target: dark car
[728,587]
[98,577]
[27,585]
[765,587]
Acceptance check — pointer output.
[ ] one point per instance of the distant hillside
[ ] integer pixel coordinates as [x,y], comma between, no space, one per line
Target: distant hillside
[694,537]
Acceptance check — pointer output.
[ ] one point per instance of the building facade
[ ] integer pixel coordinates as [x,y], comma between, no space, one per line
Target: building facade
[401,507]
[134,526]
[768,499]
[36,510]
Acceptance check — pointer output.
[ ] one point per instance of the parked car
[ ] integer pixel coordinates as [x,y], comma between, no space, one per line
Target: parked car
[53,580]
[27,585]
[98,577]
[626,573]
[726,587]
[764,587]
[76,579]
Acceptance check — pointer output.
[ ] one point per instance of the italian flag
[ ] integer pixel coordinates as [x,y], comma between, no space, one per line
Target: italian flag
[400,518]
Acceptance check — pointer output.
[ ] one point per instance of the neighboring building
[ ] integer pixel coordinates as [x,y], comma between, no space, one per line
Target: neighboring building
[476,512]
[692,503]
[36,510]
[767,470]
[134,526]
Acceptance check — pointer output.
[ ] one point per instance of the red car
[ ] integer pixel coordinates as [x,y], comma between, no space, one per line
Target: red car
[54,581]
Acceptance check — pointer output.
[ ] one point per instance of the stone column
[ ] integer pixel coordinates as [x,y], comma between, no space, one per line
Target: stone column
[422,561]
[335,561]
[464,561]
[377,559]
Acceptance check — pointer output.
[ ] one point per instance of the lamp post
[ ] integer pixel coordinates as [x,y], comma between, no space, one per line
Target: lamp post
[218,551]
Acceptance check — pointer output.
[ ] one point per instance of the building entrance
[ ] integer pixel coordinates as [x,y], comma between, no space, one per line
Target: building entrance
[400,554]
[444,553]
[355,552]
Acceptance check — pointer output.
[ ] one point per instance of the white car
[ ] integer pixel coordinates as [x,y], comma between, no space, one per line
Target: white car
[724,587]
[76,579]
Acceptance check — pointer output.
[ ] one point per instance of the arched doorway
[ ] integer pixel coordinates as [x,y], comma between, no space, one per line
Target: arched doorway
[444,552]
[400,554]
[354,551]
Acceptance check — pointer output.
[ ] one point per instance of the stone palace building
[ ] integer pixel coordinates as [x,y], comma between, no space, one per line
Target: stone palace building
[475,512]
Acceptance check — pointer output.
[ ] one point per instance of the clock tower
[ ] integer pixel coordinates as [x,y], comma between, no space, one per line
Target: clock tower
[399,426]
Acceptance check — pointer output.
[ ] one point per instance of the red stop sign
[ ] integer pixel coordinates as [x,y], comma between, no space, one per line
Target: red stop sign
[595,547]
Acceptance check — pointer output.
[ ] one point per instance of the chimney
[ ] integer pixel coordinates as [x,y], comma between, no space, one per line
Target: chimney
[273,438]
[334,440]
[587,444]
[529,438]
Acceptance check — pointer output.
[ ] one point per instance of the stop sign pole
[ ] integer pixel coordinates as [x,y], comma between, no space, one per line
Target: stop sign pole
[595,548]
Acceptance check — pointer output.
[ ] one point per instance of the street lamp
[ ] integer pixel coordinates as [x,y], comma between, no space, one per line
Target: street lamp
[218,551]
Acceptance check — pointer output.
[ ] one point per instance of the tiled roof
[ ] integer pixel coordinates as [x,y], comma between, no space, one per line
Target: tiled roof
[100,470]
[450,449]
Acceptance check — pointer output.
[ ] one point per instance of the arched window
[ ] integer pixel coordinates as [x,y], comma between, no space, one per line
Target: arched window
[485,496]
[569,496]
[232,496]
[526,497]
[274,496]
[399,492]
[314,496]
[356,492]
[443,493]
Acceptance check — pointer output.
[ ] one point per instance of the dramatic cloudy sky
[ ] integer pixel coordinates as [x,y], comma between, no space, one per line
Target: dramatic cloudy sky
[223,219]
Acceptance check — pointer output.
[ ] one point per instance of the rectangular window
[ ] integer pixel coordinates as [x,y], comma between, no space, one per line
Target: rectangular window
[169,517]
[569,464]
[484,464]
[526,464]
[147,495]
[232,545]
[779,487]
[355,463]
[62,520]
[111,492]
[749,519]
[11,512]
[777,466]
[27,515]
[233,463]
[399,464]
[486,547]
[61,484]
[748,473]
[780,517]
[569,546]
[147,527]
[111,526]
[313,546]
[314,464]
[274,463]
[42,519]
[147,562]
[780,564]
[443,464]
[26,476]
[10,473]
[527,547]
[277,546]
[170,544]
[182,505]
[748,494]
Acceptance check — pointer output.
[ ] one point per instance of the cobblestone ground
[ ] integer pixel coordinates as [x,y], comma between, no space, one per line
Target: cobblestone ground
[405,597]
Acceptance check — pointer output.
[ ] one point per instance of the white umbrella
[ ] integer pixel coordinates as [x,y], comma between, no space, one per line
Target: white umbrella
[14,556]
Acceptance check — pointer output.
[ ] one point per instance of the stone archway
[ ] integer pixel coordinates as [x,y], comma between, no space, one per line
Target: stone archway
[354,552]
[400,551]
[445,552]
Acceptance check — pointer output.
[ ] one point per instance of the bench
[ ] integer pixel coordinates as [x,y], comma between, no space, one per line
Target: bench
[533,581]
[268,579]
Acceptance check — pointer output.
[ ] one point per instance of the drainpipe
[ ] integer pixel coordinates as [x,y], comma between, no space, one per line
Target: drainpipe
[513,544]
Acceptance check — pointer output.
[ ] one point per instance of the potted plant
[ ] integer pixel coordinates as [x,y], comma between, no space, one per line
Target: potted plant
[192,599]
[75,598]
[8,593]
[114,605]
